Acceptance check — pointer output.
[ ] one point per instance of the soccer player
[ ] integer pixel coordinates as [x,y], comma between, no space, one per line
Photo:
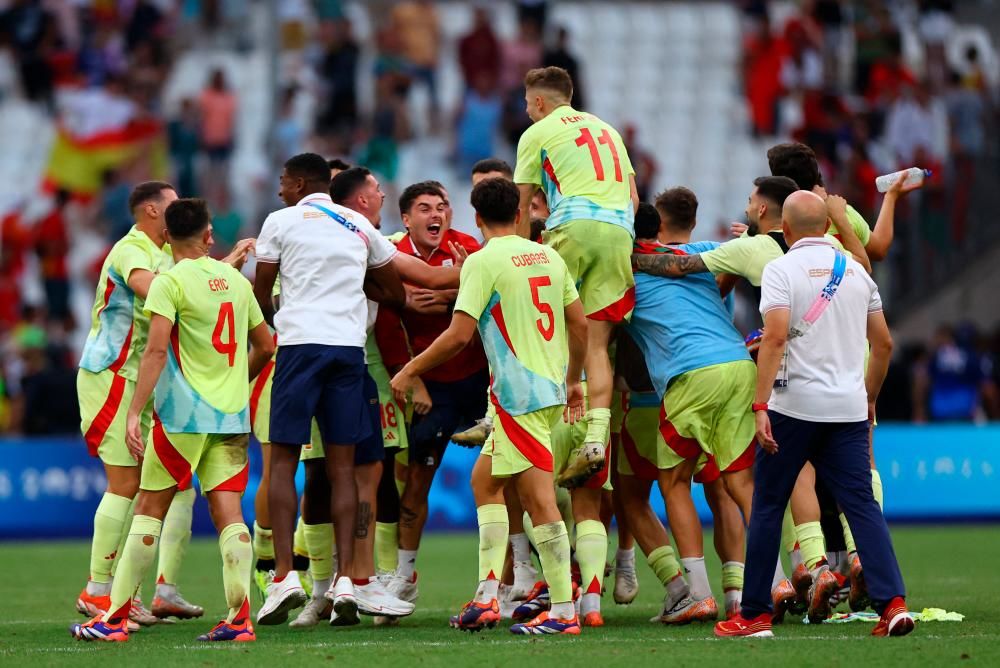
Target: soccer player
[456,389]
[582,165]
[523,300]
[202,313]
[106,384]
[490,168]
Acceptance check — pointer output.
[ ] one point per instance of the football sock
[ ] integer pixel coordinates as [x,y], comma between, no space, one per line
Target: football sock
[123,537]
[848,536]
[664,564]
[488,590]
[553,552]
[299,546]
[732,575]
[877,488]
[263,547]
[237,562]
[493,528]
[697,577]
[319,543]
[137,557]
[598,425]
[788,538]
[407,563]
[811,543]
[795,556]
[625,559]
[564,501]
[591,555]
[109,525]
[779,575]
[386,544]
[175,536]
[520,547]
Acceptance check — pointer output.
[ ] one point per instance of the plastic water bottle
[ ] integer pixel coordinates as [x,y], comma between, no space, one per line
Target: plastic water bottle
[911,175]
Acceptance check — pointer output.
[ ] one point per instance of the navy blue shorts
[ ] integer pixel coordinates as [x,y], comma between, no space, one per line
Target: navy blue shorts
[456,405]
[327,382]
[371,449]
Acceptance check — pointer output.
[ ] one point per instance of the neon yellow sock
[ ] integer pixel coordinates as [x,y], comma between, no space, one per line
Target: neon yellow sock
[237,561]
[553,552]
[598,425]
[732,575]
[109,526]
[137,558]
[877,488]
[812,545]
[493,530]
[263,543]
[319,546]
[591,554]
[124,536]
[788,538]
[664,564]
[529,528]
[386,546]
[175,536]
[564,501]
[299,540]
[848,536]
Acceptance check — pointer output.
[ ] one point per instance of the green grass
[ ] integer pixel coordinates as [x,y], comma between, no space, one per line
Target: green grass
[946,567]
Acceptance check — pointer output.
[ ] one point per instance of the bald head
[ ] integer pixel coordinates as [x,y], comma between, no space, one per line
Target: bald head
[803,215]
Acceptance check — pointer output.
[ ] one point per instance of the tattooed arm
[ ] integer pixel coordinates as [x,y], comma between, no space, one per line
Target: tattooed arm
[667,264]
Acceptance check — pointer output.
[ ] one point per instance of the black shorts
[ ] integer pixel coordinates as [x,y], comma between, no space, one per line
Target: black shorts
[456,405]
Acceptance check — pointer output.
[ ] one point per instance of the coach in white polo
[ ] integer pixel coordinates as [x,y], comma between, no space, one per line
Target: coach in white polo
[322,253]
[813,403]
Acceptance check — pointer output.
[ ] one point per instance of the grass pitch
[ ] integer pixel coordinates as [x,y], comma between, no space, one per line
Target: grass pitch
[946,567]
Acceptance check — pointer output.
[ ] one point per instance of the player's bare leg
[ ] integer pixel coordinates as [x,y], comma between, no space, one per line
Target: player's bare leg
[729,537]
[412,515]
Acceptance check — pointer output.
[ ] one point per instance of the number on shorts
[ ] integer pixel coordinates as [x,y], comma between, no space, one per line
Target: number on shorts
[389,415]
[226,320]
[545,309]
[587,139]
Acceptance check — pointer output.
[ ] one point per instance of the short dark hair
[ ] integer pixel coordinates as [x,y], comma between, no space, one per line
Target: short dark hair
[679,206]
[496,200]
[187,217]
[775,189]
[337,163]
[146,191]
[345,184]
[554,79]
[797,162]
[310,167]
[647,221]
[412,192]
[493,165]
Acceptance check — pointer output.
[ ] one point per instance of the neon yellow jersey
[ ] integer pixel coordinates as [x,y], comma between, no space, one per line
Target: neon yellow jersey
[858,223]
[118,325]
[747,256]
[204,388]
[581,164]
[518,290]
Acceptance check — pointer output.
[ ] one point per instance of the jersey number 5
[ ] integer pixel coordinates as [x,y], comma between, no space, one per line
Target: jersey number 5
[226,321]
[545,309]
[587,139]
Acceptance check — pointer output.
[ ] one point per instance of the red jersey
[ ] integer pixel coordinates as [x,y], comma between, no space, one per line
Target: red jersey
[423,329]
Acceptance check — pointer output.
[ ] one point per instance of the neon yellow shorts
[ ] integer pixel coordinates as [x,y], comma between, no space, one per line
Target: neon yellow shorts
[520,442]
[260,403]
[104,400]
[314,448]
[566,438]
[599,257]
[619,404]
[220,460]
[708,410]
[393,424]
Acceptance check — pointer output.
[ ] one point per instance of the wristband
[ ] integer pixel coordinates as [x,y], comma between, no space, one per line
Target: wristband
[758,407]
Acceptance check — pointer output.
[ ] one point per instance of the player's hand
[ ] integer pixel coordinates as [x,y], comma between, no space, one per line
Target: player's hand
[764,435]
[898,188]
[458,252]
[820,190]
[133,436]
[421,398]
[737,229]
[574,403]
[238,256]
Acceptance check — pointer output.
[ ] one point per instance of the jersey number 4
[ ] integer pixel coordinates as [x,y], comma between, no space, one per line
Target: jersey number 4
[587,139]
[226,321]
[536,282]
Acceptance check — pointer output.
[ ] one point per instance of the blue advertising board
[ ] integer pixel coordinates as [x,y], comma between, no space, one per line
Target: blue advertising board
[51,487]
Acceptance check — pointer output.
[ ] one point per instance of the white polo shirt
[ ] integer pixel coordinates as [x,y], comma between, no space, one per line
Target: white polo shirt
[322,267]
[826,366]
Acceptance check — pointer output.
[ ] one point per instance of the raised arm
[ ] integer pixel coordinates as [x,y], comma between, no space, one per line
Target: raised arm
[447,345]
[417,272]
[882,235]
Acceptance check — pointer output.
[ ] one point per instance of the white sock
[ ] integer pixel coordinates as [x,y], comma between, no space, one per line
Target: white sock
[564,610]
[320,587]
[520,546]
[733,598]
[697,576]
[796,558]
[590,602]
[488,590]
[98,588]
[625,560]
[677,588]
[407,563]
[165,589]
[779,574]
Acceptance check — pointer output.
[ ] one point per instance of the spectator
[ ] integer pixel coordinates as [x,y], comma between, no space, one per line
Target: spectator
[289,135]
[967,115]
[338,72]
[520,54]
[52,247]
[478,122]
[763,54]
[46,402]
[954,380]
[559,56]
[479,51]
[217,106]
[643,162]
[416,22]
[915,121]
[388,128]
[183,140]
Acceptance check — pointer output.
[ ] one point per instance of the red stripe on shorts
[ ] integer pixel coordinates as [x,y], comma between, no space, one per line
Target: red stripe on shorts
[536,453]
[709,473]
[745,460]
[685,447]
[641,467]
[617,311]
[258,389]
[173,461]
[238,483]
[102,421]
